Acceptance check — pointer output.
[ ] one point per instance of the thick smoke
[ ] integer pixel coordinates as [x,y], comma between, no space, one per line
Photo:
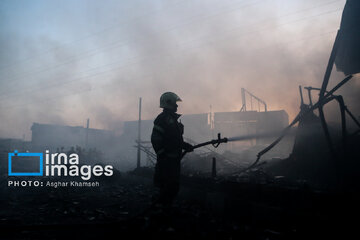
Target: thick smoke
[60,72]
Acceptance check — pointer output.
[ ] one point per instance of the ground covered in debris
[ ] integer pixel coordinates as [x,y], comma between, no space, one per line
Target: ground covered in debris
[205,209]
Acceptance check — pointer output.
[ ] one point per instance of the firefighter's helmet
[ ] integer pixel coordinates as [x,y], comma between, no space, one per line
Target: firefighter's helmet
[168,100]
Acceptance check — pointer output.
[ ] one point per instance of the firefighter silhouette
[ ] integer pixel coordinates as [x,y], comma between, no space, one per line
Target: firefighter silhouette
[168,143]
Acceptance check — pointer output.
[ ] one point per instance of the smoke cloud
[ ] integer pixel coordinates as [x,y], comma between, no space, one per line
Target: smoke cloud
[63,61]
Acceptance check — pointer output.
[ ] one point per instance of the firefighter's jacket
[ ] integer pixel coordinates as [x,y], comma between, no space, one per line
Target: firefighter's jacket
[167,135]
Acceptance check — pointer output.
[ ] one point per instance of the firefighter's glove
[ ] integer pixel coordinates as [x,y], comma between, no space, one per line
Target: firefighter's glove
[188,147]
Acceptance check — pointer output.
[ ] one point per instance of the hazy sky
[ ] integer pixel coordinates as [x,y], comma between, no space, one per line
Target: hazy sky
[62,62]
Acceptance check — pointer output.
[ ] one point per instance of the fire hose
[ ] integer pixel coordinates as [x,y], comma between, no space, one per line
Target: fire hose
[214,142]
[219,140]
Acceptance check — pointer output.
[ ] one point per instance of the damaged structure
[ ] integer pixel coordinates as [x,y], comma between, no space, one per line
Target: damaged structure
[199,128]
[51,137]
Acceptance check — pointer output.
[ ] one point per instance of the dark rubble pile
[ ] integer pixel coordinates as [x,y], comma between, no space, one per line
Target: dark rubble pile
[205,209]
[311,159]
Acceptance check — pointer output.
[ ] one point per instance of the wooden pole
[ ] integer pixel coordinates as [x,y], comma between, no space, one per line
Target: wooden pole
[87,132]
[139,137]
[213,170]
[322,93]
